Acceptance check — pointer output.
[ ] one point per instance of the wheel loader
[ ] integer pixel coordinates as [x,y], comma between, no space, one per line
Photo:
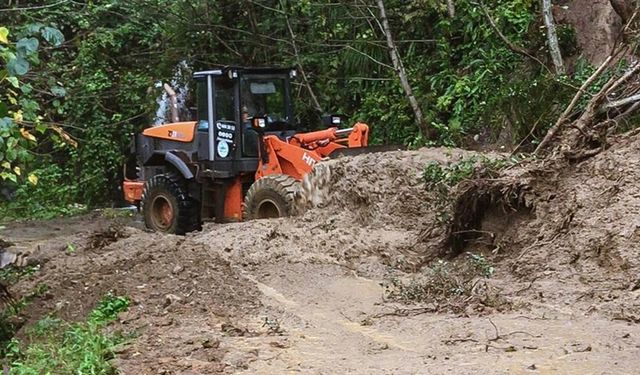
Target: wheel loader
[242,157]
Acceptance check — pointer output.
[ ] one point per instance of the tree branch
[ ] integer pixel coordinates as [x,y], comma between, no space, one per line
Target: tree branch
[565,115]
[513,47]
[34,7]
[622,102]
[294,46]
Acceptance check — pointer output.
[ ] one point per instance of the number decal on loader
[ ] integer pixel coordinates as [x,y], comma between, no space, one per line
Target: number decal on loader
[175,134]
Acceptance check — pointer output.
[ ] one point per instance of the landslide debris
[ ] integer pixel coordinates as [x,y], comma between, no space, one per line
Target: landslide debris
[571,230]
[543,237]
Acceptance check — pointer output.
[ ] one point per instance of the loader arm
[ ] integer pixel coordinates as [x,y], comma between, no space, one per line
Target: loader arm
[285,158]
[324,142]
[297,157]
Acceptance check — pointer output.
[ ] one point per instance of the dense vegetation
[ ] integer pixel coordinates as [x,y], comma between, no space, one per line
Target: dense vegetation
[80,77]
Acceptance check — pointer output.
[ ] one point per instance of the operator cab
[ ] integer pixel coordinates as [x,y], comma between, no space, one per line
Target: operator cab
[230,98]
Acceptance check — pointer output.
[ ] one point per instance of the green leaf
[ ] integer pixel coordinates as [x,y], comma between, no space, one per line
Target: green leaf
[26,88]
[4,33]
[3,109]
[11,142]
[14,81]
[33,179]
[11,153]
[5,126]
[58,91]
[27,45]
[18,66]
[34,28]
[41,128]
[52,35]
[8,176]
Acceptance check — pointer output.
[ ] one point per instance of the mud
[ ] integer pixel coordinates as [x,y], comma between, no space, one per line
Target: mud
[307,294]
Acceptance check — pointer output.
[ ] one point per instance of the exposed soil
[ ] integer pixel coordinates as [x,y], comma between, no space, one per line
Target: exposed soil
[310,293]
[595,23]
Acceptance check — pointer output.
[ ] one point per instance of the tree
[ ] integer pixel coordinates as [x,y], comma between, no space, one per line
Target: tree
[552,37]
[426,130]
[19,116]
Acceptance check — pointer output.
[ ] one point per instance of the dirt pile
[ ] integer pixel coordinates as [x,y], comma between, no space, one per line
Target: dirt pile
[572,232]
[370,205]
[182,292]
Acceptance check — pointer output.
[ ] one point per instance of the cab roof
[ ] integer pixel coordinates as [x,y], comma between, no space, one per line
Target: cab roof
[243,70]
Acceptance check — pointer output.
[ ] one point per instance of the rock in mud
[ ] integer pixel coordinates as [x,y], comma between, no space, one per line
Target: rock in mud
[171,299]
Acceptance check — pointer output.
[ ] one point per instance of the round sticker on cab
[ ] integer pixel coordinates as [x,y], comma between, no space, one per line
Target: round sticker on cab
[223,149]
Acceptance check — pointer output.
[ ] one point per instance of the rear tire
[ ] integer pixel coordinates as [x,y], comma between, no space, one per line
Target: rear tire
[167,207]
[271,197]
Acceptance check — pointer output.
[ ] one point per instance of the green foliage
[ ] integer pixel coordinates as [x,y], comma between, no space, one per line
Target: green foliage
[12,274]
[471,67]
[435,175]
[8,322]
[63,348]
[45,325]
[71,248]
[19,112]
[442,178]
[100,85]
[481,265]
[108,309]
[441,281]
[52,196]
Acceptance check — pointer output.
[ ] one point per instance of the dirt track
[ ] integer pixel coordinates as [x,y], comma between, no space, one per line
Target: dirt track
[304,294]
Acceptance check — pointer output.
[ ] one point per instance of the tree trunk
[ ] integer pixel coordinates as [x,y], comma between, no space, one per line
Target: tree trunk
[425,129]
[451,8]
[173,103]
[552,37]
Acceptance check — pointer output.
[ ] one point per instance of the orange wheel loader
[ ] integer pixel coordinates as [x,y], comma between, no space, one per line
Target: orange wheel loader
[242,158]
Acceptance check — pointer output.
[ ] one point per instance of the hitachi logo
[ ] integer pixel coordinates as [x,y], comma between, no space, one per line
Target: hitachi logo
[308,159]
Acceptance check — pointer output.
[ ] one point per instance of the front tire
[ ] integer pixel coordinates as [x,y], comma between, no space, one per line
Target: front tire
[167,207]
[271,197]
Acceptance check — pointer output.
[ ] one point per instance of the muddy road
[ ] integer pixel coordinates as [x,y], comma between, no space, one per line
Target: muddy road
[337,289]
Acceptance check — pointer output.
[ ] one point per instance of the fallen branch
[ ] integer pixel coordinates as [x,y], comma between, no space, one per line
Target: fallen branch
[533,129]
[406,312]
[612,85]
[565,115]
[627,113]
[618,52]
[528,286]
[453,341]
[622,102]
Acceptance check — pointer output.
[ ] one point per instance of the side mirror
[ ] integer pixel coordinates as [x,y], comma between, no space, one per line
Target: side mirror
[331,120]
